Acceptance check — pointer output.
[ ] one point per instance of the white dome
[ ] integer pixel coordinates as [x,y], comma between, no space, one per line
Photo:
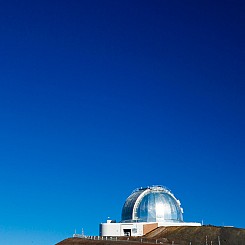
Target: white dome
[152,204]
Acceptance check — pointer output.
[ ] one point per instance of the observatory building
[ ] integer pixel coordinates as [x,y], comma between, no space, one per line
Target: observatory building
[144,210]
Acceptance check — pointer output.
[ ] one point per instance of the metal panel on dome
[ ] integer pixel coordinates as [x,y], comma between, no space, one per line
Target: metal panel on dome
[152,204]
[127,211]
[159,207]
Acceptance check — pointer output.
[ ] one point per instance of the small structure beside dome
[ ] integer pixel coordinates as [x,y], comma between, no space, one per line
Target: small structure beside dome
[144,210]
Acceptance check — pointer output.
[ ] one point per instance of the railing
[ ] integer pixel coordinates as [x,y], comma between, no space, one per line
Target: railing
[139,239]
[124,238]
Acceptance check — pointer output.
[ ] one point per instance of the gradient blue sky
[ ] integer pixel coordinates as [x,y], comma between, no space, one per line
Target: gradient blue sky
[100,97]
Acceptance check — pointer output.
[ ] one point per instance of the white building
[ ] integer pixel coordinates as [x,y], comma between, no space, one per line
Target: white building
[144,210]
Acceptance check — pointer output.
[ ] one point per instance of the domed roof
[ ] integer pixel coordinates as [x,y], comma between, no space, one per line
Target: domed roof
[152,204]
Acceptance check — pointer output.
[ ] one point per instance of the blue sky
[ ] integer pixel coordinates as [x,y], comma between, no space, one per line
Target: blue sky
[98,98]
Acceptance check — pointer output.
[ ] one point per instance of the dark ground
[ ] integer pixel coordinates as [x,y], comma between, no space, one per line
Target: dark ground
[199,235]
[202,235]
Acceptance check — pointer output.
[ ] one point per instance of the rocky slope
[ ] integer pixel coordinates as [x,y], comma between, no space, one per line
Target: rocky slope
[202,235]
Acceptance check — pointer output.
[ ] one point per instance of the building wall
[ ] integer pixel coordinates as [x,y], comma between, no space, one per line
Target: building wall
[110,229]
[179,224]
[121,229]
[149,227]
[136,229]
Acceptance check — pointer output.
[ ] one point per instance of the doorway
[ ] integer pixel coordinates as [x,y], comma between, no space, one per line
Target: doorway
[127,232]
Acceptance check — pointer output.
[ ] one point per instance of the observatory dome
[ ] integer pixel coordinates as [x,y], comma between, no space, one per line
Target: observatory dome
[152,204]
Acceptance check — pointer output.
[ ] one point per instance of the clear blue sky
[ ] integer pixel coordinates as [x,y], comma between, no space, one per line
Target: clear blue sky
[100,97]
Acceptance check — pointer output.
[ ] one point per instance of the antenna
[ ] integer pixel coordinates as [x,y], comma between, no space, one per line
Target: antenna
[75,234]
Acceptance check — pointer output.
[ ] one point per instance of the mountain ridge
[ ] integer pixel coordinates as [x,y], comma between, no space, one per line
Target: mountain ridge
[182,235]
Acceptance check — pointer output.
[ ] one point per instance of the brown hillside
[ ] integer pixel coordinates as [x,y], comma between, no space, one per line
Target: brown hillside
[199,235]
